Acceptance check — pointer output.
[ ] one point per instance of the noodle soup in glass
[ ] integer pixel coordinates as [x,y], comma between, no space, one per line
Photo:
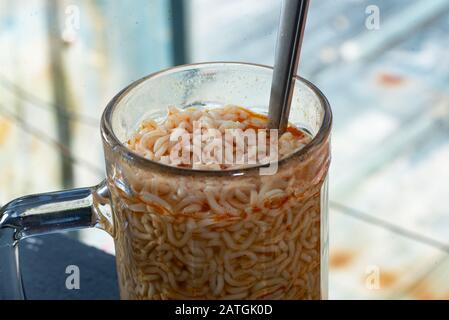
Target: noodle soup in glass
[189,233]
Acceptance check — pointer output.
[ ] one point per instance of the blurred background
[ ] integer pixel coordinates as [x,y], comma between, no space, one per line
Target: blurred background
[384,66]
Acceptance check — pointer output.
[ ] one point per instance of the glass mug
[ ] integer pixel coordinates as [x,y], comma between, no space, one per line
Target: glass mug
[191,234]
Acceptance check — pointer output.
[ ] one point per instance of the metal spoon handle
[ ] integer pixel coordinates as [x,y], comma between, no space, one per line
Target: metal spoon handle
[288,48]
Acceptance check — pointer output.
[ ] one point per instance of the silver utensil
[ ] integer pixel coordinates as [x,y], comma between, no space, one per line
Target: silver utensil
[288,48]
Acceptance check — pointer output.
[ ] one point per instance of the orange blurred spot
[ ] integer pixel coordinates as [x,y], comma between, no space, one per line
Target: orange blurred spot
[390,80]
[424,292]
[388,278]
[5,129]
[341,258]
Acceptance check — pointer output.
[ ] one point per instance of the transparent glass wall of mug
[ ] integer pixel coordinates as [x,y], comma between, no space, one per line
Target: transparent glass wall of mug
[192,234]
[218,235]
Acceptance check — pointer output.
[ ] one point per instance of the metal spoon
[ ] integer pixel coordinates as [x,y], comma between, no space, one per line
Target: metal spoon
[288,48]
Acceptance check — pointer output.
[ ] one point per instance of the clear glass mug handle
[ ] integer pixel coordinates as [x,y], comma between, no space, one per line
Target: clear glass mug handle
[43,214]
